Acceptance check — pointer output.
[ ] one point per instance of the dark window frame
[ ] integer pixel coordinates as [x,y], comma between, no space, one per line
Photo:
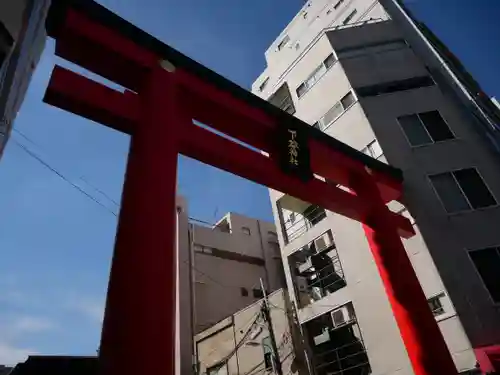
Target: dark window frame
[467,199]
[257,293]
[425,126]
[395,86]
[338,4]
[327,63]
[263,85]
[283,42]
[320,123]
[495,294]
[349,17]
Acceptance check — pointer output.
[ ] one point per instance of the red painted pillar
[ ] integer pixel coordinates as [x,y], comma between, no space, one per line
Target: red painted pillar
[424,342]
[139,322]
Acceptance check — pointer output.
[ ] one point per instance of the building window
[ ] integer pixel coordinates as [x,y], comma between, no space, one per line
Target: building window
[349,17]
[395,86]
[347,100]
[487,263]
[435,304]
[272,236]
[6,43]
[283,42]
[462,190]
[246,230]
[330,60]
[283,99]
[336,6]
[257,293]
[333,113]
[371,48]
[425,128]
[244,292]
[316,75]
[263,84]
[220,369]
[268,352]
[373,149]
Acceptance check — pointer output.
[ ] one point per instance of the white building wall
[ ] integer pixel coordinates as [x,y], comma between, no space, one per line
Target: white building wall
[446,237]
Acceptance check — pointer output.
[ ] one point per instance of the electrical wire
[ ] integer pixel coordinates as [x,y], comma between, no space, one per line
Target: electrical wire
[241,342]
[60,175]
[210,277]
[89,196]
[100,191]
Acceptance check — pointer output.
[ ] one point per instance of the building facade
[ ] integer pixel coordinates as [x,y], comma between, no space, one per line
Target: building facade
[220,268]
[22,40]
[241,343]
[366,73]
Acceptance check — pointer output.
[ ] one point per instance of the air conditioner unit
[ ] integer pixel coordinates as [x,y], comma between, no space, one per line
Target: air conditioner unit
[320,339]
[341,316]
[305,265]
[323,242]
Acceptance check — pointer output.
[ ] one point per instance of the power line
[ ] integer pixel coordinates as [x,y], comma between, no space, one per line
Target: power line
[99,191]
[82,178]
[60,175]
[210,277]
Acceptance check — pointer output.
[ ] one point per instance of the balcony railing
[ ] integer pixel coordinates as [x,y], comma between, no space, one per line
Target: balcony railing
[308,219]
[319,282]
[349,359]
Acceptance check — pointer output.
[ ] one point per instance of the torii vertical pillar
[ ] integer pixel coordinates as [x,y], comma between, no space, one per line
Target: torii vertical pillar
[139,321]
[423,340]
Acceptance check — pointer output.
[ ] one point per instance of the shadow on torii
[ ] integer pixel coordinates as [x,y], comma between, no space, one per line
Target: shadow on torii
[165,92]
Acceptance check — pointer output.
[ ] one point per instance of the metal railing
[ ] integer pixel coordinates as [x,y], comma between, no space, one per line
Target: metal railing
[323,285]
[294,229]
[346,359]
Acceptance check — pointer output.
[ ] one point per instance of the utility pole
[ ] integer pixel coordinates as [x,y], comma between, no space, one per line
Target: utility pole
[267,317]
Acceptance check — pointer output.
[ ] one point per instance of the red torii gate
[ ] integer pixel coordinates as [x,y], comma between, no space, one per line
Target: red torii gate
[165,92]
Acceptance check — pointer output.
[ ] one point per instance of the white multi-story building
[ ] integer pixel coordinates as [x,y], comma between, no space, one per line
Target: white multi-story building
[366,73]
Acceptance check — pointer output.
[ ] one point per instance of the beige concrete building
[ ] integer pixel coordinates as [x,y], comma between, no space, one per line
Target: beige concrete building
[220,267]
[364,73]
[240,343]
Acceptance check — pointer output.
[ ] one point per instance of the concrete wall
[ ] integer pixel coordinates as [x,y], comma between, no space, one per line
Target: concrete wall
[227,340]
[254,254]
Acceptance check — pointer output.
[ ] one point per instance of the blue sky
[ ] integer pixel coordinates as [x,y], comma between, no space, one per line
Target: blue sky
[56,243]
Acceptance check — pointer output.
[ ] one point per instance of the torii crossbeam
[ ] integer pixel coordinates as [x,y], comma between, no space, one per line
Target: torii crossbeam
[166,92]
